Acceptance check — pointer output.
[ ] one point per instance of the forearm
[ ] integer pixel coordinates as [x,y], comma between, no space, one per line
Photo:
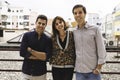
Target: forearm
[39,55]
[32,57]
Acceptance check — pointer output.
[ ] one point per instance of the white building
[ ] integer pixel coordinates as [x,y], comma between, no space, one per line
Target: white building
[94,19]
[13,17]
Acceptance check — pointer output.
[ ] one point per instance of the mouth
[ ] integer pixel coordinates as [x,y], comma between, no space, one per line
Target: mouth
[79,18]
[41,28]
[60,27]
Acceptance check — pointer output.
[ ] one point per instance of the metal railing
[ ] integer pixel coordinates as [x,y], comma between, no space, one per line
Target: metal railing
[16,48]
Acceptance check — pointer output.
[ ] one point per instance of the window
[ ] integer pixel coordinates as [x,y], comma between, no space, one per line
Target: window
[21,10]
[8,23]
[4,17]
[17,11]
[9,10]
[117,18]
[4,23]
[0,7]
[12,23]
[26,17]
[21,23]
[26,23]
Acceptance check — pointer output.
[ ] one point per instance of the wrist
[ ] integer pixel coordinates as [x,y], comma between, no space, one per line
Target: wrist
[99,66]
[31,50]
[98,70]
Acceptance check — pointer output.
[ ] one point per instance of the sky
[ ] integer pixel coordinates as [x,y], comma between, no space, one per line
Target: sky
[63,8]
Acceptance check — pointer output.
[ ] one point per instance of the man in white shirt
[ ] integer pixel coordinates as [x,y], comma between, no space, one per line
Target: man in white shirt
[90,48]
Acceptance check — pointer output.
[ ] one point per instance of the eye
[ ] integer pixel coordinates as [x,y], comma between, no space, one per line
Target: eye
[56,24]
[43,24]
[75,13]
[39,23]
[80,12]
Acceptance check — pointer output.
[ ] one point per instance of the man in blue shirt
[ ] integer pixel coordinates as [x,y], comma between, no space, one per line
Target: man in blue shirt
[36,48]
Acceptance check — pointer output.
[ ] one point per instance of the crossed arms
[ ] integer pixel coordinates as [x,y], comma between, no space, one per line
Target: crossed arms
[36,54]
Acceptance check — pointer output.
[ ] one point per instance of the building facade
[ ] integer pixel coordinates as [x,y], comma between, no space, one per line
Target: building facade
[13,17]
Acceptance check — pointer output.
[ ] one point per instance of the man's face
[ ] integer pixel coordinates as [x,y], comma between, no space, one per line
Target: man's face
[40,25]
[79,15]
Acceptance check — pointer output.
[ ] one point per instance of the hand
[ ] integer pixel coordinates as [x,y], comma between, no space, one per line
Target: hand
[97,71]
[29,49]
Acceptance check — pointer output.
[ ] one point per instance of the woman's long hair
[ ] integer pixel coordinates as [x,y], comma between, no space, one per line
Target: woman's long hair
[54,30]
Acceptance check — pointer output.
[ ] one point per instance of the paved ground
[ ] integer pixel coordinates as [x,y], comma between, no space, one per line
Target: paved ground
[17,65]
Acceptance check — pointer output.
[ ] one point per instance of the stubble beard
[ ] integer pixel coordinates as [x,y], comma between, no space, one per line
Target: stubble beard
[39,31]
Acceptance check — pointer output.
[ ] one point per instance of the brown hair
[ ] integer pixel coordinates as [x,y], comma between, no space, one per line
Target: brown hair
[42,17]
[54,30]
[79,6]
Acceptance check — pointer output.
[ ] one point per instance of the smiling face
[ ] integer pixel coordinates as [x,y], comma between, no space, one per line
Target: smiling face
[59,25]
[79,15]
[40,25]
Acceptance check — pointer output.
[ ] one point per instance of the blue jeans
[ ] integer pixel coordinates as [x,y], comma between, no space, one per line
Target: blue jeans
[87,76]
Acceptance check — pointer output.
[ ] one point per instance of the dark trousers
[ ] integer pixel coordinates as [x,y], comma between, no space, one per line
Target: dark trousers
[62,73]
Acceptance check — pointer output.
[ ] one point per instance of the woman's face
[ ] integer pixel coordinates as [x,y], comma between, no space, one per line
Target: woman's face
[59,25]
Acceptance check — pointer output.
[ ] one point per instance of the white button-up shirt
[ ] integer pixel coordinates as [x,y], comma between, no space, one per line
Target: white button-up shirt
[90,48]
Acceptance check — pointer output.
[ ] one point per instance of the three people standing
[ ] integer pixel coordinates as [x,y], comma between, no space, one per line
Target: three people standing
[83,49]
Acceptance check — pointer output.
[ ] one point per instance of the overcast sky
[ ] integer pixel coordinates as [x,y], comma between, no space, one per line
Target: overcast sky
[63,8]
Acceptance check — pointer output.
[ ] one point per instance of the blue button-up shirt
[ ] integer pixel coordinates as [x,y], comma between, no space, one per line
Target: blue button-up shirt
[44,44]
[90,48]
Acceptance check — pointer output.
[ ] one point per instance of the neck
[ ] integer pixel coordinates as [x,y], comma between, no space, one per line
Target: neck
[39,34]
[80,25]
[62,33]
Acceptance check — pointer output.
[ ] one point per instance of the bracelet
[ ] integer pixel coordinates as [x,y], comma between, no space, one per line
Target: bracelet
[99,71]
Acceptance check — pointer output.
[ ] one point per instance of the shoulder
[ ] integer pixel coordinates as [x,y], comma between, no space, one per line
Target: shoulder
[70,33]
[94,27]
[28,33]
[46,36]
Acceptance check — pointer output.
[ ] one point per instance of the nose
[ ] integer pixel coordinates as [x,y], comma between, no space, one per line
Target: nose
[41,25]
[59,24]
[77,14]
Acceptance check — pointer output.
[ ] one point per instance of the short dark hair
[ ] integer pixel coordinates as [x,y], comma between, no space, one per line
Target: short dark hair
[54,30]
[79,6]
[42,17]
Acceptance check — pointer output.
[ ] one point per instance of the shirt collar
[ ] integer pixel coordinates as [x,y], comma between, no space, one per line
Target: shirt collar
[85,27]
[36,34]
